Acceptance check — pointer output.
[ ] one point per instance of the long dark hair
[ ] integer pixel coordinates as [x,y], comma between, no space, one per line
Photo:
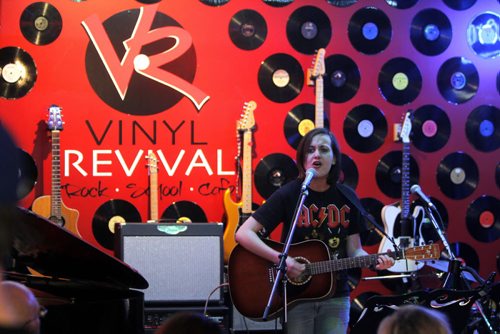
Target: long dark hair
[305,142]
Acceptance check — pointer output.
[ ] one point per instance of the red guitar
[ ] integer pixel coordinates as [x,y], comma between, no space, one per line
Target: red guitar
[251,277]
[52,207]
[238,212]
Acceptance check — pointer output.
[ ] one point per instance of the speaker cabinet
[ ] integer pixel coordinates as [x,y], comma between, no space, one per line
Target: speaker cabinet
[183,263]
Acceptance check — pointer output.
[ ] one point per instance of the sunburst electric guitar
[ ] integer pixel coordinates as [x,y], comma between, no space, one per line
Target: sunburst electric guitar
[251,277]
[52,206]
[407,220]
[153,187]
[238,212]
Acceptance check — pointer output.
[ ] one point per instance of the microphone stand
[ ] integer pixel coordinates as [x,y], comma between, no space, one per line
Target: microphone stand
[281,274]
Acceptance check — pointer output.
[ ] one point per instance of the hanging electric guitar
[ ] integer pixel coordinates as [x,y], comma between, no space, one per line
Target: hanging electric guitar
[317,73]
[390,212]
[52,206]
[251,277]
[238,212]
[153,187]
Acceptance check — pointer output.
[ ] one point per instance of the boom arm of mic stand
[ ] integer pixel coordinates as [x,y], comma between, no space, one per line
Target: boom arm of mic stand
[440,233]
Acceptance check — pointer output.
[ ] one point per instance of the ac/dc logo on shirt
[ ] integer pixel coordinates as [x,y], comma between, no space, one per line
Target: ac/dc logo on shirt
[330,215]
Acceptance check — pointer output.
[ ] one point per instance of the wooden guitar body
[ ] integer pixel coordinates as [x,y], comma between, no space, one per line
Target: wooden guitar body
[251,279]
[69,217]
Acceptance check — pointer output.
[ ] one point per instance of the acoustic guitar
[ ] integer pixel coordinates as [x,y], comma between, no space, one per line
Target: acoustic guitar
[251,277]
[407,220]
[52,206]
[238,212]
[153,187]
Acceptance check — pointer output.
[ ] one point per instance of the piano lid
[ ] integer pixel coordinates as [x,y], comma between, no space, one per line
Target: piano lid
[53,251]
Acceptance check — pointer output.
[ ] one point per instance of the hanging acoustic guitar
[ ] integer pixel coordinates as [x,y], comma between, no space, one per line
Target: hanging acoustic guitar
[52,206]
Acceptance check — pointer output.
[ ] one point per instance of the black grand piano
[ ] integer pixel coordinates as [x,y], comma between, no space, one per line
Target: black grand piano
[84,289]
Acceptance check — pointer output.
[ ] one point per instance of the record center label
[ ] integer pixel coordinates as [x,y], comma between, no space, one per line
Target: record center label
[281,78]
[400,81]
[429,128]
[12,72]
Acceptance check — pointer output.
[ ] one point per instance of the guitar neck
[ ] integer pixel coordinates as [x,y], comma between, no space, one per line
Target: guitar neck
[55,200]
[343,264]
[153,195]
[246,191]
[319,111]
[405,183]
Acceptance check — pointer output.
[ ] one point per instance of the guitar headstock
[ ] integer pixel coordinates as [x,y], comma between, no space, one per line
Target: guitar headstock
[406,128]
[319,64]
[427,252]
[54,119]
[152,163]
[247,120]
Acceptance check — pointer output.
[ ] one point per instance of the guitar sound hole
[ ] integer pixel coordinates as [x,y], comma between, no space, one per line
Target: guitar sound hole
[57,220]
[304,277]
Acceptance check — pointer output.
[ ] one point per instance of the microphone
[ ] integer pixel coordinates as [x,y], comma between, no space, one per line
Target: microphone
[415,189]
[311,173]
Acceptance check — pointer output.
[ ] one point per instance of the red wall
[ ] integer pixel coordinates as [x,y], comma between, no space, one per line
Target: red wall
[229,75]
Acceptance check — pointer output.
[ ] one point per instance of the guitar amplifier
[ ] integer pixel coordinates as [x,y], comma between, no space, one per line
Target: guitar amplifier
[183,263]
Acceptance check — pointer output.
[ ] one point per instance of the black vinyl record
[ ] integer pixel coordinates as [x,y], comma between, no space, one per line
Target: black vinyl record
[107,215]
[281,77]
[247,29]
[278,3]
[482,35]
[149,1]
[431,128]
[483,219]
[308,29]
[184,212]
[459,4]
[365,128]
[27,174]
[430,32]
[372,236]
[342,3]
[465,253]
[342,78]
[370,30]
[299,121]
[497,175]
[214,3]
[401,4]
[349,174]
[274,171]
[457,175]
[41,23]
[389,172]
[400,81]
[483,128]
[458,80]
[18,72]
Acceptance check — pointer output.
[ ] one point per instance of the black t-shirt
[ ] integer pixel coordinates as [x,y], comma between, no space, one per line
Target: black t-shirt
[327,216]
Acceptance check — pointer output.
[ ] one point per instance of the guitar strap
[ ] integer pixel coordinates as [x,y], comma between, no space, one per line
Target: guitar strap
[351,197]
